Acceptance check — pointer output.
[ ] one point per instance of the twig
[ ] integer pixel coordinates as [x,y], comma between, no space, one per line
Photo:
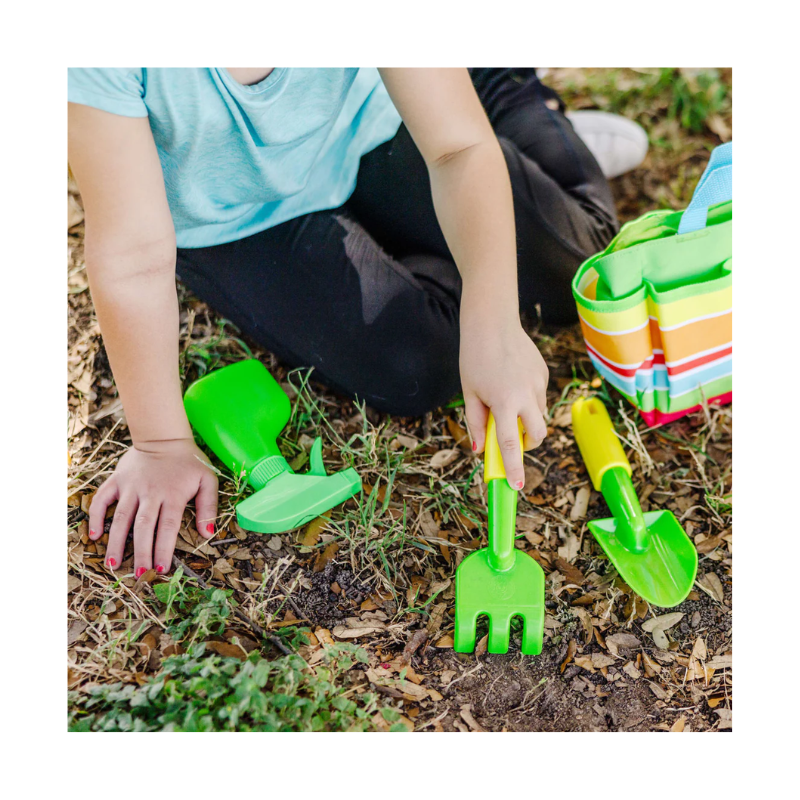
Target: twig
[427,423]
[435,720]
[287,593]
[243,617]
[465,675]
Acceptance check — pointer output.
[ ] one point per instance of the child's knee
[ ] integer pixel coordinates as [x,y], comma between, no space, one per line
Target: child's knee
[414,381]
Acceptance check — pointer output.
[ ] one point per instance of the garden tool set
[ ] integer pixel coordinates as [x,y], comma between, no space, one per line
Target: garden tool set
[240,410]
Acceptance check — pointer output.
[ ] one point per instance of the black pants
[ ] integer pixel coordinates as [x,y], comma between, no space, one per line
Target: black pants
[368,294]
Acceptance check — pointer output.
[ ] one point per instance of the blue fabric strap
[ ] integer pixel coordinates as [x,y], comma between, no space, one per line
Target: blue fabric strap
[716,186]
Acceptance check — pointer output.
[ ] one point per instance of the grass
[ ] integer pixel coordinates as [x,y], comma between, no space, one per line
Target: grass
[197,691]
[172,654]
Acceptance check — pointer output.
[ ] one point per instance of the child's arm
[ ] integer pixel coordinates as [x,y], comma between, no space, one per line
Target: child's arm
[130,260]
[501,369]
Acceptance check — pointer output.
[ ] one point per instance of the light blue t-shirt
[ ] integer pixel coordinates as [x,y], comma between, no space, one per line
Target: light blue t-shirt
[239,159]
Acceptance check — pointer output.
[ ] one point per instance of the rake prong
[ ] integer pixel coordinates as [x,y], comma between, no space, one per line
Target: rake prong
[531,636]
[499,633]
[464,633]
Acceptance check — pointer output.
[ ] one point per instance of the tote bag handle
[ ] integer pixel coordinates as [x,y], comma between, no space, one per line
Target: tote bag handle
[715,186]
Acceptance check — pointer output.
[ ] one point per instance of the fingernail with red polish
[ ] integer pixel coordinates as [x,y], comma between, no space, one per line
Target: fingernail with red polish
[519,484]
[210,527]
[474,446]
[92,534]
[111,562]
[159,568]
[141,571]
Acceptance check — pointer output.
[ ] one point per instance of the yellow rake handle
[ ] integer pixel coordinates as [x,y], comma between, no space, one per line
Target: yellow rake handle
[492,457]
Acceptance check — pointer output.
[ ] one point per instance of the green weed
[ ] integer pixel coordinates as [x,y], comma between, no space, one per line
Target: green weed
[196,692]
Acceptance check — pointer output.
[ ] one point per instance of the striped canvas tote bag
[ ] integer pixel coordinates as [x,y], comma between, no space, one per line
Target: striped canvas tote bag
[656,307]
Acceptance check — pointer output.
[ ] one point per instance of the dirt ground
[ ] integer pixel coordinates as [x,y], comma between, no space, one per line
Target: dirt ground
[379,570]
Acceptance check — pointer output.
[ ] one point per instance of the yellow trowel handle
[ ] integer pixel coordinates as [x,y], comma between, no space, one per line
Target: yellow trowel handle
[599,445]
[492,457]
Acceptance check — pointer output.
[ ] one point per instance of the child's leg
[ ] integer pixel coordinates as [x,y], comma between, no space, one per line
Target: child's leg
[562,203]
[318,291]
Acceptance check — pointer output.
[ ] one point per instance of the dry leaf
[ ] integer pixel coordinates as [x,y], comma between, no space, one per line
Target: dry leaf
[600,660]
[572,648]
[314,529]
[718,125]
[409,442]
[725,718]
[658,625]
[709,545]
[534,477]
[327,555]
[585,662]
[429,526]
[446,642]
[443,458]
[412,692]
[414,644]
[74,212]
[570,548]
[712,586]
[341,632]
[658,691]
[226,649]
[447,676]
[570,572]
[652,668]
[324,636]
[630,670]
[699,650]
[76,628]
[586,620]
[534,538]
[551,623]
[86,501]
[466,715]
[562,417]
[460,435]
[617,640]
[581,504]
[530,522]
[223,566]
[111,408]
[721,662]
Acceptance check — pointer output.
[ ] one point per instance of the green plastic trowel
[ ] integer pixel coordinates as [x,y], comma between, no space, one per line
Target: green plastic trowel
[651,551]
[239,411]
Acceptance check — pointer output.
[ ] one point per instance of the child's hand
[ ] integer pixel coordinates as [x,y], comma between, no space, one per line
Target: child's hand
[503,371]
[152,485]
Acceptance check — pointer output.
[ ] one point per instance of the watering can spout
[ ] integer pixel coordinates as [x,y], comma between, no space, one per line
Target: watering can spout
[289,500]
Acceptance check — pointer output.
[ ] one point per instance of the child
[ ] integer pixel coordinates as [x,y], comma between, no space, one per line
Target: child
[385,228]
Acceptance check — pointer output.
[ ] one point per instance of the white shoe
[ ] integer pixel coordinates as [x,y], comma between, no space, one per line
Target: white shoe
[618,143]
